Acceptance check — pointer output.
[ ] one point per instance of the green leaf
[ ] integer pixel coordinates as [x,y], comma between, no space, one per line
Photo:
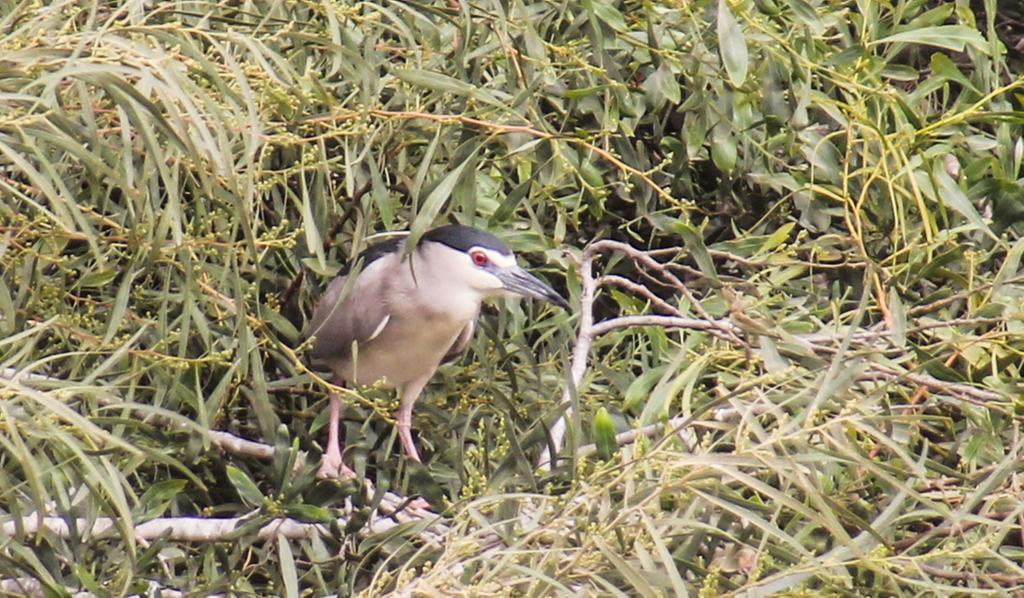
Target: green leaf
[120,307]
[1009,268]
[607,12]
[639,389]
[289,576]
[435,81]
[662,87]
[950,37]
[98,278]
[695,244]
[444,83]
[660,401]
[942,66]
[604,434]
[723,148]
[155,500]
[432,205]
[942,188]
[732,45]
[899,318]
[246,488]
[306,512]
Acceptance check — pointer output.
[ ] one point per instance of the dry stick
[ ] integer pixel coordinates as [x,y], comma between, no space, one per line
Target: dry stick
[638,290]
[940,303]
[588,331]
[964,392]
[992,580]
[874,333]
[645,258]
[192,529]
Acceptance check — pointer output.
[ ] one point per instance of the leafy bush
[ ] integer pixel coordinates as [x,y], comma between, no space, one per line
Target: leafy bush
[835,182]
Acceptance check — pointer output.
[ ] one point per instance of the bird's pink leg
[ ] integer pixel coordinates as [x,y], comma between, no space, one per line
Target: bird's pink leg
[331,465]
[410,393]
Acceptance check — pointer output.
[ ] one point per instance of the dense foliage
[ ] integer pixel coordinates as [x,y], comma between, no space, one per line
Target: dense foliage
[838,181]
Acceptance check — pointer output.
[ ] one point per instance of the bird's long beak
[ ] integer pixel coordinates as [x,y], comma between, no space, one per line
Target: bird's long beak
[519,281]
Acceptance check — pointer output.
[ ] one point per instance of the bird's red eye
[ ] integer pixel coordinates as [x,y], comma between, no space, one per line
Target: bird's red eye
[479,258]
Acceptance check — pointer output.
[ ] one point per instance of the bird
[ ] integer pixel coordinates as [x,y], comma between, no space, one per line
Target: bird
[405,313]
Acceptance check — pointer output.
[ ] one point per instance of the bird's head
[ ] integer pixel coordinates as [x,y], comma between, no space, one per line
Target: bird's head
[477,261]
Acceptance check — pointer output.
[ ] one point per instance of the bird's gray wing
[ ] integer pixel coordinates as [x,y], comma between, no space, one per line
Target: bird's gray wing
[338,320]
[461,342]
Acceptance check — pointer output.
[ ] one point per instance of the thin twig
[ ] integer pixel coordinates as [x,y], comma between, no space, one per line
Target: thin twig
[638,290]
[621,322]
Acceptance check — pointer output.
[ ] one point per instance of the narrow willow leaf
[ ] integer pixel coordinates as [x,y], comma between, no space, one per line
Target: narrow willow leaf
[669,563]
[306,512]
[659,404]
[59,215]
[289,576]
[732,45]
[604,434]
[777,238]
[774,363]
[899,318]
[944,68]
[426,161]
[933,17]
[637,581]
[724,152]
[98,278]
[246,488]
[314,241]
[435,81]
[444,83]
[1010,267]
[120,307]
[950,37]
[943,189]
[699,251]
[8,320]
[155,500]
[639,389]
[432,205]
[662,87]
[607,12]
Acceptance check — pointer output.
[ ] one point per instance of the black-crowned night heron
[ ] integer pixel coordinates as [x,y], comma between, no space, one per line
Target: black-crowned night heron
[406,313]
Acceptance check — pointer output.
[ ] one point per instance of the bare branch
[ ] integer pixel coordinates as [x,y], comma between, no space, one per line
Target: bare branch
[637,290]
[193,529]
[620,322]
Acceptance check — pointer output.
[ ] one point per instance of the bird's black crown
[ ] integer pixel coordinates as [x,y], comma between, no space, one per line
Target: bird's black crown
[462,238]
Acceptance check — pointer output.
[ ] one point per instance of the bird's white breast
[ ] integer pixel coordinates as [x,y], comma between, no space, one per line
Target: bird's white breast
[422,325]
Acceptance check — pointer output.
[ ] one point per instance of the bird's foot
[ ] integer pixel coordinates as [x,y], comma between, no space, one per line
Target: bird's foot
[405,437]
[333,468]
[419,504]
